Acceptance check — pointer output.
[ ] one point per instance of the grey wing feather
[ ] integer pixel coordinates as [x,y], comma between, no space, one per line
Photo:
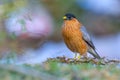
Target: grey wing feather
[86,37]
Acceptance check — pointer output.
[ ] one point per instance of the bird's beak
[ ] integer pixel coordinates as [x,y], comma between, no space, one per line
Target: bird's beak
[64,17]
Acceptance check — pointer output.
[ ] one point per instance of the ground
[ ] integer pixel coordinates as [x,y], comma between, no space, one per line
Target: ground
[62,68]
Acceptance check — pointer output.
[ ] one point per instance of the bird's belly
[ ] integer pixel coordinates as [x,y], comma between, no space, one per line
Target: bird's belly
[75,42]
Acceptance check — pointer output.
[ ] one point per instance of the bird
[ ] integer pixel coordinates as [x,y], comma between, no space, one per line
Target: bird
[77,38]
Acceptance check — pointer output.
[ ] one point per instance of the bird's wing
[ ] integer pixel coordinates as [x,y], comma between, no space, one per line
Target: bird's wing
[86,37]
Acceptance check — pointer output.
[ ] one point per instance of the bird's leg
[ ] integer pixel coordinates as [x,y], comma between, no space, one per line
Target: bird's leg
[85,56]
[78,57]
[75,56]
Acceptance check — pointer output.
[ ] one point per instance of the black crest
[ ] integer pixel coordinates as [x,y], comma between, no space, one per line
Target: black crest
[69,16]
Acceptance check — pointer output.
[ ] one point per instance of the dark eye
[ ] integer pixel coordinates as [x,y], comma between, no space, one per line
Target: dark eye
[70,17]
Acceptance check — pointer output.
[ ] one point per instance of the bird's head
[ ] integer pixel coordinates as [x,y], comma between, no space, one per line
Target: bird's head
[68,16]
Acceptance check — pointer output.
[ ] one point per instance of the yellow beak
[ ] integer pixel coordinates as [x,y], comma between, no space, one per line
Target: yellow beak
[64,17]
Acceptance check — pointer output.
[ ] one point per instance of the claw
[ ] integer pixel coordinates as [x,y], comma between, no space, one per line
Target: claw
[77,56]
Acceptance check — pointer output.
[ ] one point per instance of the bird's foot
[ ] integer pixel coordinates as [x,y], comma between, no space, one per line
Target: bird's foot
[77,57]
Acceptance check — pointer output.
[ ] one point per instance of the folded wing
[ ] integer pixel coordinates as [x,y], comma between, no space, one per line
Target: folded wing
[88,40]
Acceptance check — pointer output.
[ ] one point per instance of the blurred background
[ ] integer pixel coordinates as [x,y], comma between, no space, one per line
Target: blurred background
[31,29]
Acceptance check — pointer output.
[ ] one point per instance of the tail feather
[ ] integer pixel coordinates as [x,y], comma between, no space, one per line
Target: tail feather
[94,53]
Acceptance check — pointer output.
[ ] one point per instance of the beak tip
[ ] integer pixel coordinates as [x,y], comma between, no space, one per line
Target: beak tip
[64,17]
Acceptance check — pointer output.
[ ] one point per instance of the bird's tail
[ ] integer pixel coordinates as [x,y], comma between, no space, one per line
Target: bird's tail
[94,53]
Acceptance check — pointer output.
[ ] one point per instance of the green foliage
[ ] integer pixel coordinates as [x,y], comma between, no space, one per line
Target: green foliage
[54,69]
[83,71]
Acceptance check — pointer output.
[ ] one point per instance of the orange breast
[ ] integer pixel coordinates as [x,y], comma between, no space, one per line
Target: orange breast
[73,37]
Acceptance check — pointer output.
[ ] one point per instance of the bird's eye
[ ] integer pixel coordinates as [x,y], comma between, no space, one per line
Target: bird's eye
[69,17]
